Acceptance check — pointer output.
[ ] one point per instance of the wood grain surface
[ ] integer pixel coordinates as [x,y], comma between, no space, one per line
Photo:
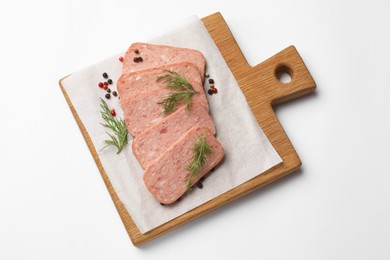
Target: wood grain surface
[262,89]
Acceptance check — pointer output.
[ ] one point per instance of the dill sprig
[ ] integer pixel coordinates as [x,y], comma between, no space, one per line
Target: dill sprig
[201,150]
[119,138]
[172,100]
[183,91]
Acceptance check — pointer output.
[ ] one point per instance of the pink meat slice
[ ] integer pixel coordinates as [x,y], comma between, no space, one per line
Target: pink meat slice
[158,55]
[143,81]
[154,141]
[142,110]
[167,176]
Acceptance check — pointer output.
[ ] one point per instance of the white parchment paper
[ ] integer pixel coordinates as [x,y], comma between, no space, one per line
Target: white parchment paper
[248,152]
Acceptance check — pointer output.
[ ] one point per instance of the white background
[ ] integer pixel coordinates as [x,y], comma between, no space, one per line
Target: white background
[54,204]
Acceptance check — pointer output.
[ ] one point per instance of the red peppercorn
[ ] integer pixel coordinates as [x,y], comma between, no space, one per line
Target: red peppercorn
[121,59]
[105,87]
[215,91]
[100,84]
[113,112]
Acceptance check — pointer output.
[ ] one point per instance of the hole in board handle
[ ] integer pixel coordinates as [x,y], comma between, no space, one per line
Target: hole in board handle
[284,74]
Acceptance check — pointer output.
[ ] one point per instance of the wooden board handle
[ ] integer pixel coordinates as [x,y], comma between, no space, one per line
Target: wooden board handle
[265,79]
[261,82]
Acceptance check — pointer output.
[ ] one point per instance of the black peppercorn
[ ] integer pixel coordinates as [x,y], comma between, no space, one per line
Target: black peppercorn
[114,93]
[137,59]
[211,81]
[108,95]
[105,75]
[109,81]
[199,185]
[108,90]
[136,51]
[210,91]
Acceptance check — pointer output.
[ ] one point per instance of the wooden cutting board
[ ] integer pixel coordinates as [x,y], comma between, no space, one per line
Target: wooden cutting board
[262,89]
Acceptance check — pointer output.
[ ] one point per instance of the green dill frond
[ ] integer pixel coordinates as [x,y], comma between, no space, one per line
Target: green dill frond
[183,91]
[170,103]
[119,137]
[201,150]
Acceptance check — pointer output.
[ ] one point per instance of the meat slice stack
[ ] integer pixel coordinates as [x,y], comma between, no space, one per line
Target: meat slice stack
[164,143]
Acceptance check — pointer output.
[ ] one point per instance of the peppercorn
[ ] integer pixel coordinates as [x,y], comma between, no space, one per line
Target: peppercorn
[105,75]
[211,81]
[108,90]
[210,91]
[121,59]
[109,81]
[212,85]
[136,51]
[215,91]
[137,59]
[199,185]
[105,83]
[113,113]
[105,87]
[207,75]
[108,95]
[114,93]
[100,84]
